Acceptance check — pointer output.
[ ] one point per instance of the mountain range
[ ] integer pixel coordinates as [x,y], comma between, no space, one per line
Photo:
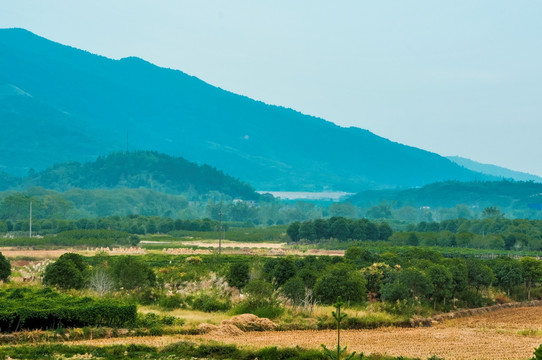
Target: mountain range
[59,104]
[494,170]
[504,194]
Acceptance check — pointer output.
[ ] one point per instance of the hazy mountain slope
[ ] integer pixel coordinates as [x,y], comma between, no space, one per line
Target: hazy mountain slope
[494,170]
[142,169]
[504,194]
[35,135]
[169,111]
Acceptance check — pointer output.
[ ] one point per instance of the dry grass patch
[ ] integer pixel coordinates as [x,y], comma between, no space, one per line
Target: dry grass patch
[505,334]
[192,317]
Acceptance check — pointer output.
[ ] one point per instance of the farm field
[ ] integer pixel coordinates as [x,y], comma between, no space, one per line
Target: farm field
[506,334]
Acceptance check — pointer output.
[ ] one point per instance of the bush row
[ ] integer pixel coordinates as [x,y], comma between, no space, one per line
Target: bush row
[30,308]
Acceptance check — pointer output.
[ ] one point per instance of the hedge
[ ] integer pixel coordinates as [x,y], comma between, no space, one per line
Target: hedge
[35,308]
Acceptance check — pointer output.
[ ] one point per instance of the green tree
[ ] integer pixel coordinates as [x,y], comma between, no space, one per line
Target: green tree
[394,291]
[417,282]
[376,275]
[5,268]
[259,295]
[442,280]
[238,275]
[381,211]
[508,273]
[359,257]
[131,272]
[321,229]
[531,270]
[412,239]
[358,229]
[340,279]
[306,231]
[308,276]
[340,229]
[17,206]
[283,270]
[293,231]
[3,226]
[339,317]
[384,231]
[294,290]
[460,275]
[68,272]
[480,275]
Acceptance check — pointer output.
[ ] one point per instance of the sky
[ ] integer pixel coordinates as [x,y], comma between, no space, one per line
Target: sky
[453,77]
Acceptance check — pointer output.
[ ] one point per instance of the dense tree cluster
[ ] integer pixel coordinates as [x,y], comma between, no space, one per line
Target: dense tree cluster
[133,224]
[147,169]
[73,271]
[413,275]
[508,195]
[339,228]
[493,232]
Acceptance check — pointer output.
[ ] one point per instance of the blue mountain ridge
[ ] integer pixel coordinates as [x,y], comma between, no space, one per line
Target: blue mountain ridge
[61,104]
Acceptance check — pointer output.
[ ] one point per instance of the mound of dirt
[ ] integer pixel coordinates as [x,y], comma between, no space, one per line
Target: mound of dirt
[250,322]
[237,325]
[222,330]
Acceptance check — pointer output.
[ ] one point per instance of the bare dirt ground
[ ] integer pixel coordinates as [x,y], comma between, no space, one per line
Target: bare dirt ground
[506,334]
[238,248]
[234,244]
[31,253]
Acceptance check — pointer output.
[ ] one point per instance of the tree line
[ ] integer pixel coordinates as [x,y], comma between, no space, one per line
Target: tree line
[340,228]
[133,224]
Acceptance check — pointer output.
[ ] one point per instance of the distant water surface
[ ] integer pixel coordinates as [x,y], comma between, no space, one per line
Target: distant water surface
[307,195]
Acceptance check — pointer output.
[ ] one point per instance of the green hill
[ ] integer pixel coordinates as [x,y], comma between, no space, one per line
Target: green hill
[140,169]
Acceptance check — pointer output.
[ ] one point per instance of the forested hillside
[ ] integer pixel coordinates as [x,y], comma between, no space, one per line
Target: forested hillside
[140,169]
[504,194]
[58,103]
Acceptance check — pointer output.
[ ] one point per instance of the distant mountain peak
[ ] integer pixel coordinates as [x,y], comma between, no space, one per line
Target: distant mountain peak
[494,170]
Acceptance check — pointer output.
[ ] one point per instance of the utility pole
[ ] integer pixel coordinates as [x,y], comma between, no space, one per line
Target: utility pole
[31,219]
[219,231]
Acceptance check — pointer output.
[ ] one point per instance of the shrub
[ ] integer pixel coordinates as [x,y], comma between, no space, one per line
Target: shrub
[5,268]
[68,272]
[132,272]
[28,308]
[171,302]
[152,320]
[260,300]
[537,353]
[238,275]
[211,302]
[294,290]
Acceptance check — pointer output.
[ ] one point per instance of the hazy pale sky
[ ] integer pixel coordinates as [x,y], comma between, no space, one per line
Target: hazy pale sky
[453,77]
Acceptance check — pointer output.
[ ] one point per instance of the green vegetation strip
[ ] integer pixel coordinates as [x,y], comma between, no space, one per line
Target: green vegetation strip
[180,350]
[98,237]
[31,308]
